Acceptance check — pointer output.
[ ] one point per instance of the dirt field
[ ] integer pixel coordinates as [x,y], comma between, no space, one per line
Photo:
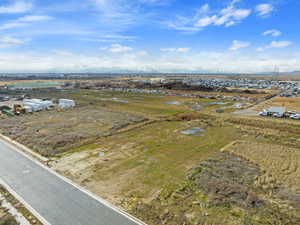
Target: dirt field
[281,163]
[157,155]
[219,190]
[162,172]
[97,114]
[52,132]
[28,81]
[182,179]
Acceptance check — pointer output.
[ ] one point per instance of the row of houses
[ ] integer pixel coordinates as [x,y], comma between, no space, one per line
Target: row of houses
[244,83]
[218,83]
[170,93]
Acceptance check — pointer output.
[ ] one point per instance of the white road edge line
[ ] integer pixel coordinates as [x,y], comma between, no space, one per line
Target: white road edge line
[104,202]
[27,206]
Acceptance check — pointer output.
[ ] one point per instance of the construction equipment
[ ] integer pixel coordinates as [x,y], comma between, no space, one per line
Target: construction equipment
[7,112]
[18,109]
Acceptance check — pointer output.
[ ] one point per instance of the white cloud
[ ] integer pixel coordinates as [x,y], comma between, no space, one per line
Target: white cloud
[180,50]
[280,44]
[275,44]
[63,53]
[11,25]
[264,10]
[142,53]
[17,7]
[117,48]
[10,41]
[34,18]
[183,50]
[118,15]
[156,2]
[274,33]
[24,21]
[228,16]
[108,38]
[238,44]
[119,37]
[206,21]
[200,61]
[231,15]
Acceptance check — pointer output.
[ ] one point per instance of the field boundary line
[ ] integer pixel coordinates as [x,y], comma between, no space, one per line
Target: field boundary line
[230,145]
[136,126]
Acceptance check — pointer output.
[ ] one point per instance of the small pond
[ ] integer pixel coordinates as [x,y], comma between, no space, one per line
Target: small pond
[173,103]
[218,103]
[194,130]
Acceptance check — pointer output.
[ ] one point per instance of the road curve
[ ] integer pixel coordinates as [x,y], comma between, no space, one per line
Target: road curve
[55,199]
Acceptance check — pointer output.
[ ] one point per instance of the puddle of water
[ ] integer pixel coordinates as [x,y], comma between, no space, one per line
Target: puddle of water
[173,103]
[218,103]
[119,100]
[196,107]
[194,131]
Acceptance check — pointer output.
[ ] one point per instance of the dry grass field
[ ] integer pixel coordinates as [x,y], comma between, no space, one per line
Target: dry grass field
[52,132]
[280,163]
[28,81]
[160,173]
[157,155]
[280,177]
[97,114]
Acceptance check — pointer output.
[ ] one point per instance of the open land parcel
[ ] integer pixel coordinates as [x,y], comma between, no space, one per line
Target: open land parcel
[129,148]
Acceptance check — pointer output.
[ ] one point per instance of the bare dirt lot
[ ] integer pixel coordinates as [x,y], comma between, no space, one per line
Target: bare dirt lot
[53,132]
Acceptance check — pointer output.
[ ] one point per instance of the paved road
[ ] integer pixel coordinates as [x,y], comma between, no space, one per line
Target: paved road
[57,201]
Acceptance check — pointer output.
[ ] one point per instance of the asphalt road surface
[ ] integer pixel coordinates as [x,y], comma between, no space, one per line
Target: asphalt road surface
[56,200]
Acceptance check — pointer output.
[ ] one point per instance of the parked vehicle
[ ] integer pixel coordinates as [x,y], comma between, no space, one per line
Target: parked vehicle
[264,113]
[295,116]
[278,115]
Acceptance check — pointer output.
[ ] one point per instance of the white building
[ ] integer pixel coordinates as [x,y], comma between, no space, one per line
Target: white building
[66,103]
[34,105]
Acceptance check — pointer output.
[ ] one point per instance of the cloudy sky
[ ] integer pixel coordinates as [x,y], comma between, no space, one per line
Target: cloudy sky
[149,35]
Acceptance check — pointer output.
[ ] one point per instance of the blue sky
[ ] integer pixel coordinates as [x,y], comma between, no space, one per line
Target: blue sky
[149,35]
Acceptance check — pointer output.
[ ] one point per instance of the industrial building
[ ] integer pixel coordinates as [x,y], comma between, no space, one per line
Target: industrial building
[35,105]
[66,103]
